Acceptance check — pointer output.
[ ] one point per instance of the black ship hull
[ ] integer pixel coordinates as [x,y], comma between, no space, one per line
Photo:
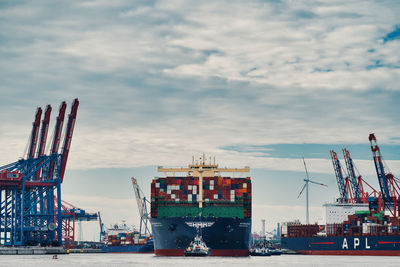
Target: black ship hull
[223,236]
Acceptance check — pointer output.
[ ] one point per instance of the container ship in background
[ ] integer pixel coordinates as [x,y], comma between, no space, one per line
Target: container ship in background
[356,224]
[121,239]
[201,202]
[367,232]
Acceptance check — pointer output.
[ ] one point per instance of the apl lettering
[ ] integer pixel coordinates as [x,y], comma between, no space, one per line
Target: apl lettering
[356,243]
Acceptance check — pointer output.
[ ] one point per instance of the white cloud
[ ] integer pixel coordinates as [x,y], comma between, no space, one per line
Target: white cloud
[179,79]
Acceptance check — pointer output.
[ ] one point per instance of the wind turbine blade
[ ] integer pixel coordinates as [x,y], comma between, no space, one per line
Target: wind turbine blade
[318,183]
[304,187]
[305,167]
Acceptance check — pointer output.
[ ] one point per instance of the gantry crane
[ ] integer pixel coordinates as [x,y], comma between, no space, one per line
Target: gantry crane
[29,214]
[142,206]
[343,183]
[356,190]
[388,184]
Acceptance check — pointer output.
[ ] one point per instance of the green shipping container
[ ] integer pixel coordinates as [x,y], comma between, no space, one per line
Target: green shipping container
[210,211]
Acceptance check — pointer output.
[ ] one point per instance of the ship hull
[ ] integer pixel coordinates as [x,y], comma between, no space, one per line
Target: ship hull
[224,236]
[388,245]
[146,248]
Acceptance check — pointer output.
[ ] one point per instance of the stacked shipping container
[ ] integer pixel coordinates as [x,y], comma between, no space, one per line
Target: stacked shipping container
[127,239]
[365,223]
[178,196]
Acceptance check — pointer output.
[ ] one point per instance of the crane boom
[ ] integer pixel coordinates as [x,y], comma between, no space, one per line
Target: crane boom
[141,202]
[68,136]
[43,136]
[57,135]
[58,128]
[43,132]
[339,177]
[380,171]
[139,199]
[34,134]
[352,175]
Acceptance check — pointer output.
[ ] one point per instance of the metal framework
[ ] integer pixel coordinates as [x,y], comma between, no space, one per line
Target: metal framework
[356,190]
[388,184]
[71,214]
[142,206]
[28,213]
[352,188]
[343,183]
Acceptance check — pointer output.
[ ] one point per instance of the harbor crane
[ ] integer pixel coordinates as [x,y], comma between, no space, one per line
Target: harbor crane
[343,183]
[307,181]
[354,182]
[388,183]
[30,188]
[142,206]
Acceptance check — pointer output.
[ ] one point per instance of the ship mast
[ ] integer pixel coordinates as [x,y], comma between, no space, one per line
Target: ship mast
[201,169]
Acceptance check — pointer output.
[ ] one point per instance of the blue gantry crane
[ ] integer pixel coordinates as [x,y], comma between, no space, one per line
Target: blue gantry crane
[354,182]
[29,214]
[343,183]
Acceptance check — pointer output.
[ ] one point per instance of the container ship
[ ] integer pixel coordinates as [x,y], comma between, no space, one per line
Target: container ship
[204,202]
[364,232]
[121,239]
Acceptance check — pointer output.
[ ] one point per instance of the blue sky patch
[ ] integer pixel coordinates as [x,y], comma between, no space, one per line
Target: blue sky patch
[394,35]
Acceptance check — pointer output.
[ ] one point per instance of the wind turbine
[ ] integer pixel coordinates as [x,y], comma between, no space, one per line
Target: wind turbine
[307,180]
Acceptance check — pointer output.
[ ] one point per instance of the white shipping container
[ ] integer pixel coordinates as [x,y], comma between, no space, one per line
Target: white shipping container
[212,182]
[244,185]
[177,200]
[169,191]
[215,196]
[190,187]
[190,197]
[211,187]
[173,196]
[157,185]
[207,200]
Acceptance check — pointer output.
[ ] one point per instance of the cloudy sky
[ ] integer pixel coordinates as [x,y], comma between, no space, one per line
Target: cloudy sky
[257,84]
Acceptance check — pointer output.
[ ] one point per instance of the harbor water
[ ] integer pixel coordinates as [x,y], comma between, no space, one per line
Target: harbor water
[151,260]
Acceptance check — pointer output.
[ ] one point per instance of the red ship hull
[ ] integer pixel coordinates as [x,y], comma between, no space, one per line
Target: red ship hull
[351,252]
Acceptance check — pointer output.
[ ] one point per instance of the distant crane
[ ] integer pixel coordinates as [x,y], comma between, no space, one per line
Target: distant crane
[307,180]
[102,228]
[389,184]
[142,206]
[355,185]
[343,183]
